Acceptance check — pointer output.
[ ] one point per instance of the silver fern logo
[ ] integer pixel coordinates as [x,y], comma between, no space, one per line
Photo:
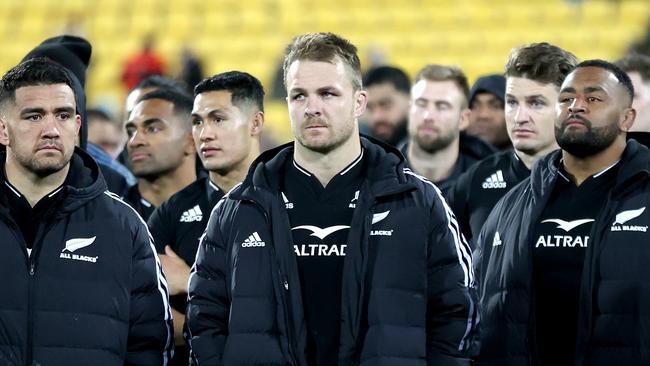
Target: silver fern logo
[623,217]
[72,245]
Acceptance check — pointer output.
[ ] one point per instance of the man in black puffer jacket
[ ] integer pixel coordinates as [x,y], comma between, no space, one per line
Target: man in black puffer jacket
[562,259]
[82,283]
[331,252]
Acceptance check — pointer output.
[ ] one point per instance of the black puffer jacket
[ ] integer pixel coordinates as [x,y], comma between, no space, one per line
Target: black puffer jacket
[91,292]
[614,316]
[407,296]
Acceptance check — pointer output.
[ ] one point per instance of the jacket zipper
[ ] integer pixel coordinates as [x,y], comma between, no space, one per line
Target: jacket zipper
[30,311]
[283,292]
[32,272]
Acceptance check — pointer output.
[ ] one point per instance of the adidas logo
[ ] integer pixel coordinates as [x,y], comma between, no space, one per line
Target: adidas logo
[193,214]
[497,240]
[494,181]
[253,240]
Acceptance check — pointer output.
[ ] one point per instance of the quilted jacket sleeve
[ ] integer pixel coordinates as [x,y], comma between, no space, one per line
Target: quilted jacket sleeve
[150,340]
[452,304]
[208,307]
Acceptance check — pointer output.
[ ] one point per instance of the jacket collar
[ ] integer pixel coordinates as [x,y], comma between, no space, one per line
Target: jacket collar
[84,181]
[385,174]
[635,165]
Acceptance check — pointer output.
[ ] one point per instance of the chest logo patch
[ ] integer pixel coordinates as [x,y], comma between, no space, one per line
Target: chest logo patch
[72,245]
[623,217]
[568,225]
[321,233]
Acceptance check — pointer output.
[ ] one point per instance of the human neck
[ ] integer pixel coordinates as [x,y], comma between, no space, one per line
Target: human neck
[579,169]
[324,166]
[435,166]
[530,159]
[227,180]
[32,186]
[159,189]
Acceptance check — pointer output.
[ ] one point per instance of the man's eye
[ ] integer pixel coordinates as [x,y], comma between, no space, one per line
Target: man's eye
[537,103]
[511,102]
[33,117]
[197,122]
[298,97]
[153,129]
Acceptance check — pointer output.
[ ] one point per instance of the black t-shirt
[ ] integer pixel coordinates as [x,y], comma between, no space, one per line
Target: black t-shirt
[560,241]
[320,220]
[29,218]
[476,191]
[141,205]
[180,221]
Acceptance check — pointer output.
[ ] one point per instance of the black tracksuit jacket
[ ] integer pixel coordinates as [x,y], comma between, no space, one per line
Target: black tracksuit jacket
[92,290]
[407,295]
[614,315]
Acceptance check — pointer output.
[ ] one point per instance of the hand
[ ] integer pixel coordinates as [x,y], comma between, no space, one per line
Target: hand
[179,321]
[176,271]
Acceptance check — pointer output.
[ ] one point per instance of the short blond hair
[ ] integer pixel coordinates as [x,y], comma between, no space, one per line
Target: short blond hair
[446,73]
[324,47]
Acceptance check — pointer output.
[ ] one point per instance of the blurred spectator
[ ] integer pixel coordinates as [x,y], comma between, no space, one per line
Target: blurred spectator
[436,149]
[104,144]
[149,84]
[388,103]
[638,68]
[104,132]
[142,65]
[192,70]
[487,119]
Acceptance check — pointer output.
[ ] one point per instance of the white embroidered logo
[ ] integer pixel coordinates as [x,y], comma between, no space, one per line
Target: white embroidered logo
[288,205]
[494,181]
[72,245]
[321,233]
[625,216]
[568,225]
[253,240]
[193,214]
[497,240]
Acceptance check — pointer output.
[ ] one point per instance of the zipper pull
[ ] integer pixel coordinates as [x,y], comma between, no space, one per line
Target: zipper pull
[31,269]
[286,285]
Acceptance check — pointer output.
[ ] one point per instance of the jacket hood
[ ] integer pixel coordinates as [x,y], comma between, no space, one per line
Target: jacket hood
[385,169]
[635,164]
[83,183]
[474,147]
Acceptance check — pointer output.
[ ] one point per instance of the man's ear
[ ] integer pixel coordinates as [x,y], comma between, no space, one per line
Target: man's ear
[190,149]
[463,123]
[4,136]
[628,119]
[257,123]
[360,103]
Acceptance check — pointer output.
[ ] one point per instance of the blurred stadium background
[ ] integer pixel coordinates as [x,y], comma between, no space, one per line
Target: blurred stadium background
[250,35]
